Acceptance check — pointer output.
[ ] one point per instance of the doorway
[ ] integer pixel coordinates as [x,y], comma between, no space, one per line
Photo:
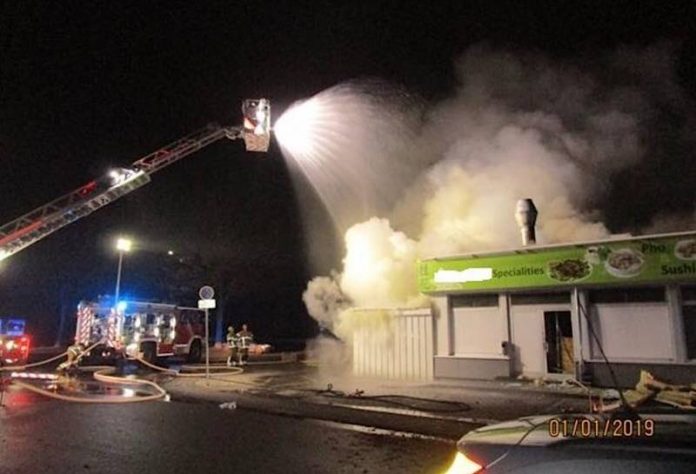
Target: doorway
[558,342]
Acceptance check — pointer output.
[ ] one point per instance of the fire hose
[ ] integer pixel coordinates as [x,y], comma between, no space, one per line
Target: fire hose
[102,375]
[105,374]
[15,368]
[228,371]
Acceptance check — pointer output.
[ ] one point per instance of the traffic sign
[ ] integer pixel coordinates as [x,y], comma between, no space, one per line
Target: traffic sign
[206,292]
[206,304]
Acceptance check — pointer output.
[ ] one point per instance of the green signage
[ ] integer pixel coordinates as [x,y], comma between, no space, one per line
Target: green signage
[652,260]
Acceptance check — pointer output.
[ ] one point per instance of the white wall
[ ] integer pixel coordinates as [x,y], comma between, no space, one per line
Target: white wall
[479,331]
[633,331]
[404,353]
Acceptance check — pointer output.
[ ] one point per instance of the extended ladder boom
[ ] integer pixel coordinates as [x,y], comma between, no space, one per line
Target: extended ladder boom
[39,223]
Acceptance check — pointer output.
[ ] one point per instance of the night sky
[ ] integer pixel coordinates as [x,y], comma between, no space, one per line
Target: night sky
[89,85]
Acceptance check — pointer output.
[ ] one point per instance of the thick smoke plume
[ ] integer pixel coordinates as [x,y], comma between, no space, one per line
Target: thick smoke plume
[418,182]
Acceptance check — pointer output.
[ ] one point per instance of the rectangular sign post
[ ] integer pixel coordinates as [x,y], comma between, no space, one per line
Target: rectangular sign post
[207,305]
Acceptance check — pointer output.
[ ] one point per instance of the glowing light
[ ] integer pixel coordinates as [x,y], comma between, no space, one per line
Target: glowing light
[463,465]
[463,276]
[121,306]
[3,254]
[172,334]
[128,392]
[297,129]
[172,322]
[10,345]
[170,252]
[124,245]
[137,322]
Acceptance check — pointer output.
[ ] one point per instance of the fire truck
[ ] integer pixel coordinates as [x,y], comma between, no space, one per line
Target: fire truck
[152,329]
[140,329]
[14,343]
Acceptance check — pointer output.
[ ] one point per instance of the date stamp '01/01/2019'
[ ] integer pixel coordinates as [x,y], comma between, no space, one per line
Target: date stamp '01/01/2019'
[597,427]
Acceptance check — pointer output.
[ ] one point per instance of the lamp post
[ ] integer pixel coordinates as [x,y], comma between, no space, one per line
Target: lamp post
[123,246]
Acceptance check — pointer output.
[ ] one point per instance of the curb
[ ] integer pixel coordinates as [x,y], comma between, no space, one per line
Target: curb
[440,427]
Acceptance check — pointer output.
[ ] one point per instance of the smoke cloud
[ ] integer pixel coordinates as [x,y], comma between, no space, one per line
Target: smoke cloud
[444,179]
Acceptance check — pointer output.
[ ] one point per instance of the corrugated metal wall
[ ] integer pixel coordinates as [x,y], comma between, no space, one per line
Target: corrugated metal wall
[404,350]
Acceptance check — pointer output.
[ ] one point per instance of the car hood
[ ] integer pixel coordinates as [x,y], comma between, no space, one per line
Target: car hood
[534,431]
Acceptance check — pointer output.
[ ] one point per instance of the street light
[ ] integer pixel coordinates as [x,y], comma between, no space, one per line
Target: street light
[123,246]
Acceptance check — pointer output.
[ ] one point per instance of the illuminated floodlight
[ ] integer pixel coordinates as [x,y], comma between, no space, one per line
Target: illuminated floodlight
[121,306]
[170,252]
[124,245]
[257,124]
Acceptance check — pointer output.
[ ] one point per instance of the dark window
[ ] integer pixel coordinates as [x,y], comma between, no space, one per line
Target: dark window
[628,295]
[689,314]
[540,298]
[475,301]
[150,319]
[688,293]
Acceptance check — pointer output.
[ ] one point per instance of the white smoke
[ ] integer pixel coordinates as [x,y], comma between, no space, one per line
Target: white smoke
[518,126]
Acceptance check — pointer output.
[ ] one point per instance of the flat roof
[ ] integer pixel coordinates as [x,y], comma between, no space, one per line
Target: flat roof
[531,249]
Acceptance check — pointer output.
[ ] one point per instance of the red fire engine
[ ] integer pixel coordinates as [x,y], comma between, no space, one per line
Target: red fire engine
[141,329]
[14,344]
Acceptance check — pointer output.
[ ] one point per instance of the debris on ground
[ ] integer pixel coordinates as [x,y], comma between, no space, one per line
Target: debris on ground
[228,406]
[650,388]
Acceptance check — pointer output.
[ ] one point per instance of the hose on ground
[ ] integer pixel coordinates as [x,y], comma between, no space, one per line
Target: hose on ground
[102,375]
[15,368]
[229,371]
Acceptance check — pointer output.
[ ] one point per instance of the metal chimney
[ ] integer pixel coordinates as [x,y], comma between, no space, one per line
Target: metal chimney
[526,215]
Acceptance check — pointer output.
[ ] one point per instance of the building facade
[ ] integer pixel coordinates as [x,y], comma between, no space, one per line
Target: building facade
[563,310]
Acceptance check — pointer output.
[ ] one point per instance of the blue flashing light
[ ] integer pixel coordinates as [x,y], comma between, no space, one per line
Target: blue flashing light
[121,306]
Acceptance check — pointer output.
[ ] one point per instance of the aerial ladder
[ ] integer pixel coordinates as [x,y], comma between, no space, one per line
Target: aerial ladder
[47,219]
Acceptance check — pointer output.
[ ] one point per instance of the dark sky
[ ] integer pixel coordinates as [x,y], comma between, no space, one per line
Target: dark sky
[88,85]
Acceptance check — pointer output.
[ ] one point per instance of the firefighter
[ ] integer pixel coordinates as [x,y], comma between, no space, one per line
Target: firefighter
[245,337]
[74,352]
[232,342]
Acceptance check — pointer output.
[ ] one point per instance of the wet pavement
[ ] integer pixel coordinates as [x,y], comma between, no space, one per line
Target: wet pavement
[443,410]
[37,435]
[446,409]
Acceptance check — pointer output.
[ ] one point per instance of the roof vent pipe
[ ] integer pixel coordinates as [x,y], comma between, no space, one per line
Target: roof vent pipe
[526,215]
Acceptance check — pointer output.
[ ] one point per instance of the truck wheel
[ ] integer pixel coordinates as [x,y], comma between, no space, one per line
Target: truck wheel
[194,355]
[149,353]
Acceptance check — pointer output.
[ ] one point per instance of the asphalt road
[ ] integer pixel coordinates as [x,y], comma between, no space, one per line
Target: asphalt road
[37,435]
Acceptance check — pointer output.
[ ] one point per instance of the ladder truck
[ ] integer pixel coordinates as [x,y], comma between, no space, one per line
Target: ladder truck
[47,219]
